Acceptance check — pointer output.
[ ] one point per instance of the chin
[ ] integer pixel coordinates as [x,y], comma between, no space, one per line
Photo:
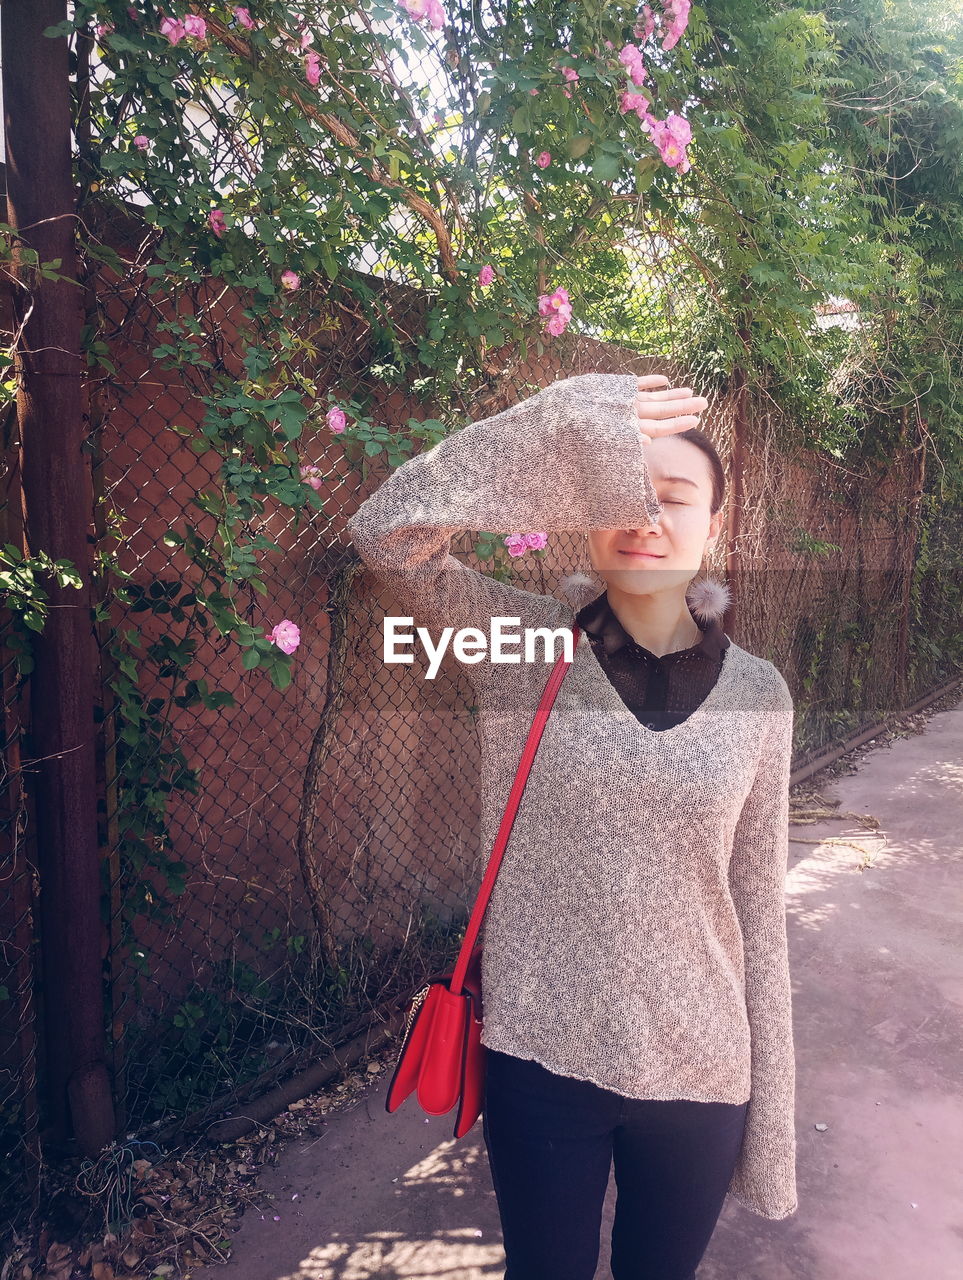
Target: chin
[641,580]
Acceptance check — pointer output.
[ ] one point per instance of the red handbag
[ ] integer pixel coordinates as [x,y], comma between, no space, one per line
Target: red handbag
[442,1055]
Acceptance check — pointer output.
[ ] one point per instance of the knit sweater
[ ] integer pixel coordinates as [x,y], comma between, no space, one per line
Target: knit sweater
[636,932]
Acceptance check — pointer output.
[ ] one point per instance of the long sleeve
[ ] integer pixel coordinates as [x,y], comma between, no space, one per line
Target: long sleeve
[568,457]
[764,1179]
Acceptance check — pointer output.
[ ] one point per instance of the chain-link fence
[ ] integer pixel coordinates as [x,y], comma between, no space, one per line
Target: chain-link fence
[280,863]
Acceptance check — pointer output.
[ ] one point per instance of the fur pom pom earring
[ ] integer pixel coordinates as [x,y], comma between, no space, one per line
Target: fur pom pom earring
[580,588]
[708,598]
[583,586]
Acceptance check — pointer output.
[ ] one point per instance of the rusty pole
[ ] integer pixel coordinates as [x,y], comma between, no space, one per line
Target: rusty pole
[57,509]
[734,567]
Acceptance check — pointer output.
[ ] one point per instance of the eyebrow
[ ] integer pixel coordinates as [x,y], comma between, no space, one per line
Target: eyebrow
[678,480]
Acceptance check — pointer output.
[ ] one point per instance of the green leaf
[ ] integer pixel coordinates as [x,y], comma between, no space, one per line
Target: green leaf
[521,119]
[645,172]
[606,166]
[123,45]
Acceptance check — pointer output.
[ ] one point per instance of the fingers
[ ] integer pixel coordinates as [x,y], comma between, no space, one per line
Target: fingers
[679,406]
[668,393]
[657,387]
[668,427]
[665,409]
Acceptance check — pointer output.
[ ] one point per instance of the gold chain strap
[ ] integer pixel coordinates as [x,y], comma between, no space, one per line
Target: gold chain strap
[416,1004]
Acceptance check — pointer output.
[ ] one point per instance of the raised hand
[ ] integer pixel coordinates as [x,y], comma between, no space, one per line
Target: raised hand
[665,410]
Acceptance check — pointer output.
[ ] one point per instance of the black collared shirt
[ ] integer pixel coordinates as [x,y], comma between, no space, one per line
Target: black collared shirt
[659,691]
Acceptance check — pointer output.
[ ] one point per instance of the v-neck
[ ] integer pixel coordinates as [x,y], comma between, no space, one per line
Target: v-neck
[726,673]
[605,629]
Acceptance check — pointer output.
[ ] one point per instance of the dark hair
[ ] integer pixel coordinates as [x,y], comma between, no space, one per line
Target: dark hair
[699,438]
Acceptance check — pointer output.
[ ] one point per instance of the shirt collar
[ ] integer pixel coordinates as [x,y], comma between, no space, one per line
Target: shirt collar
[599,620]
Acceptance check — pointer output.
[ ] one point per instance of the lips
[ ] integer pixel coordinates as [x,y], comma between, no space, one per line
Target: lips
[643,555]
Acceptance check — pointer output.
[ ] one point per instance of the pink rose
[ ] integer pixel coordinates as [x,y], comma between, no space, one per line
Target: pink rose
[543,159]
[312,67]
[671,137]
[142,142]
[551,303]
[678,11]
[678,129]
[312,475]
[217,223]
[516,544]
[173,29]
[558,310]
[195,27]
[432,10]
[336,419]
[636,102]
[286,635]
[243,18]
[631,58]
[290,280]
[486,275]
[537,541]
[644,30]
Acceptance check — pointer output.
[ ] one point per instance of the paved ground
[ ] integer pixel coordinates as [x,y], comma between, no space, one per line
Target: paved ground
[875,947]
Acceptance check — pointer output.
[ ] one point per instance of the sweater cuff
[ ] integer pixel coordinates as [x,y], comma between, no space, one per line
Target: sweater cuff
[597,425]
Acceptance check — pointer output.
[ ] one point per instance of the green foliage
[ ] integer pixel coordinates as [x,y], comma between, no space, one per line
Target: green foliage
[26,598]
[277,1007]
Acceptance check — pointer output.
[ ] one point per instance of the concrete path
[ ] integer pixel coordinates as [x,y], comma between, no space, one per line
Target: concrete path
[876,951]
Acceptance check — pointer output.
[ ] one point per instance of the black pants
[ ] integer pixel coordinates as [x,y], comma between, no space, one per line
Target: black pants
[551,1141]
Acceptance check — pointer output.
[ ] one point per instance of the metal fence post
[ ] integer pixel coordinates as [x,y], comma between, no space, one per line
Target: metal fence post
[739,392]
[58,504]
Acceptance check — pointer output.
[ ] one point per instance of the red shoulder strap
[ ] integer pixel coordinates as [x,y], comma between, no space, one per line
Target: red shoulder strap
[508,817]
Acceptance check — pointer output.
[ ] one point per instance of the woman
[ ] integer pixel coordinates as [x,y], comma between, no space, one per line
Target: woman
[635,975]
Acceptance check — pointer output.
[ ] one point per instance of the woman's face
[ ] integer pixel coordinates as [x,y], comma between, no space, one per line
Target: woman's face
[682,476]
